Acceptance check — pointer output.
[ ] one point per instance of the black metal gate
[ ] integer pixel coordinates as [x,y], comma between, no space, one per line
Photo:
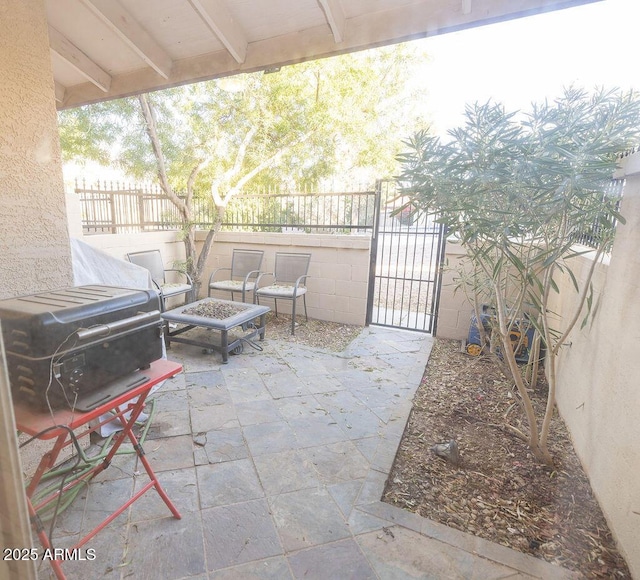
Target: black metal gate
[406,257]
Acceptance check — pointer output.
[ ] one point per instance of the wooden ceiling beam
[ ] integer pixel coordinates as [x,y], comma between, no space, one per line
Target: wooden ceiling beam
[118,19]
[218,18]
[335,18]
[415,20]
[68,51]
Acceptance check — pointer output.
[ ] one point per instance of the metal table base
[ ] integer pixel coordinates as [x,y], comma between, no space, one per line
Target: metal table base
[224,343]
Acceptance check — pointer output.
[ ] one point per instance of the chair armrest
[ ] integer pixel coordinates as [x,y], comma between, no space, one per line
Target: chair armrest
[297,284]
[181,272]
[260,278]
[215,272]
[255,273]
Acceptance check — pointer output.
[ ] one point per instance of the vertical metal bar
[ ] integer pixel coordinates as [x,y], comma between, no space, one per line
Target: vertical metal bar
[431,287]
[420,284]
[414,304]
[442,243]
[387,244]
[112,209]
[141,216]
[373,254]
[406,237]
[397,262]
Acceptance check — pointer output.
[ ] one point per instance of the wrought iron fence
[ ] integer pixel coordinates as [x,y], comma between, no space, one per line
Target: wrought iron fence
[118,208]
[591,235]
[114,207]
[336,212]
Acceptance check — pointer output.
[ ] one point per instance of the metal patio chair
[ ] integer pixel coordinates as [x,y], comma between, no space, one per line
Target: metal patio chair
[288,282]
[152,261]
[245,268]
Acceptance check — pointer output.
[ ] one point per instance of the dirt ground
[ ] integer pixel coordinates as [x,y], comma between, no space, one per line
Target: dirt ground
[498,491]
[329,336]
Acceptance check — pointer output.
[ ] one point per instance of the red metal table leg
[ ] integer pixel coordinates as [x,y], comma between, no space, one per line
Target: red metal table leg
[36,425]
[44,539]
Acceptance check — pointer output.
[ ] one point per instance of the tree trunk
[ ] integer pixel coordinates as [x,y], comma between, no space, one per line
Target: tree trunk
[201,263]
[539,452]
[190,252]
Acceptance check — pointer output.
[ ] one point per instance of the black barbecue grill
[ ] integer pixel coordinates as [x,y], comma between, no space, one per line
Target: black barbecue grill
[77,346]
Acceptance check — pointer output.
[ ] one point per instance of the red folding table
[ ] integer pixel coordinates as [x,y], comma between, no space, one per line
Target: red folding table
[60,425]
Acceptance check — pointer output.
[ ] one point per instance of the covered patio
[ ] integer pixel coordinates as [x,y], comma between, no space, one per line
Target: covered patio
[86,51]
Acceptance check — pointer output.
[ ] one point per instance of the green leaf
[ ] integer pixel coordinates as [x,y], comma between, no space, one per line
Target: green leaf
[573,279]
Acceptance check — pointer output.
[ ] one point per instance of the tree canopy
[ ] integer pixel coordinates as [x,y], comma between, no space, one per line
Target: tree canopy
[217,138]
[319,118]
[517,190]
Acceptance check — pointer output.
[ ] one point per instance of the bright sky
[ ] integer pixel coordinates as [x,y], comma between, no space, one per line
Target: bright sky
[530,59]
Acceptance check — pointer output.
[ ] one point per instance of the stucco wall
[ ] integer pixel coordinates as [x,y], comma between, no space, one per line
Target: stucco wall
[598,386]
[34,246]
[34,243]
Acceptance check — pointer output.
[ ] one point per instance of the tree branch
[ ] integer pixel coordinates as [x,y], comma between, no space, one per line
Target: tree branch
[149,117]
[192,178]
[260,167]
[242,152]
[583,296]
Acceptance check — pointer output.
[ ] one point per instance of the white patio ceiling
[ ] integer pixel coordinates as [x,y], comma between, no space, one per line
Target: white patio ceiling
[102,49]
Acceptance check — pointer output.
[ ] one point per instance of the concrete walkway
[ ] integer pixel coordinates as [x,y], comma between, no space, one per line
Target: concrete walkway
[277,462]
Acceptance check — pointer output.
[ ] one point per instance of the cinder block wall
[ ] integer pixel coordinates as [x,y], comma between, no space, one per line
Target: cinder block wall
[454,312]
[338,273]
[118,245]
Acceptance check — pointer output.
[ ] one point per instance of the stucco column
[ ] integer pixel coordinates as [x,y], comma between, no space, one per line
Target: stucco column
[34,242]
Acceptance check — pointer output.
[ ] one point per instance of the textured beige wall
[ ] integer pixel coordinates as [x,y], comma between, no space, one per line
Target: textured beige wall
[598,385]
[454,312]
[118,245]
[34,243]
[338,273]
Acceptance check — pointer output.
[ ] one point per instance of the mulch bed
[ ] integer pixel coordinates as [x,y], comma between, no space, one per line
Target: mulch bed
[498,492]
[330,336]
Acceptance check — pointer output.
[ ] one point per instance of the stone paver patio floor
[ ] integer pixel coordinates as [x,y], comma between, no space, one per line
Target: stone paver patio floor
[277,462]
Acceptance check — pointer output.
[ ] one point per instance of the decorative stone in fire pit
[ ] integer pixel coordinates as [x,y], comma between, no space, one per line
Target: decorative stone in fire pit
[220,315]
[215,309]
